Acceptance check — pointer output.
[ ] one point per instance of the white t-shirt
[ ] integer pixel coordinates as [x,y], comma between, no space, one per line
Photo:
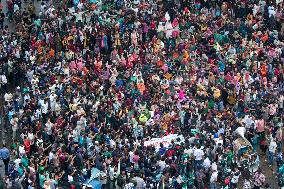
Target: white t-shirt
[44,108]
[188,151]
[214,166]
[70,178]
[8,97]
[49,126]
[131,157]
[235,178]
[50,156]
[3,79]
[207,163]
[272,146]
[214,177]
[80,5]
[198,154]
[22,150]
[79,16]
[248,121]
[31,137]
[162,165]
[17,162]
[52,98]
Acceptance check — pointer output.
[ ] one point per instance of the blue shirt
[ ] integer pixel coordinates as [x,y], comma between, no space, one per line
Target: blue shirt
[10,115]
[4,153]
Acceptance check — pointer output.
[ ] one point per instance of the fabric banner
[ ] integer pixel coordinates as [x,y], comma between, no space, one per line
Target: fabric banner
[166,140]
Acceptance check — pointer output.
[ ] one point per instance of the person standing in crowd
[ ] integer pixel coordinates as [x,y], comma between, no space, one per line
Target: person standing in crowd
[258,179]
[5,156]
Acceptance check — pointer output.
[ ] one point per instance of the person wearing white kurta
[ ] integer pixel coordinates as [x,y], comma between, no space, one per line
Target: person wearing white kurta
[169,29]
[57,108]
[52,100]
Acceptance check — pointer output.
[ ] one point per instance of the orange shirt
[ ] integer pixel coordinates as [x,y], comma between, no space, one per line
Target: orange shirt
[51,53]
[160,63]
[186,55]
[263,70]
[141,87]
[264,38]
[39,50]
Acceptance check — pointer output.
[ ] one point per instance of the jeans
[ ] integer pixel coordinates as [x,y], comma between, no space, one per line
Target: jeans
[213,186]
[270,158]
[6,163]
[279,145]
[198,164]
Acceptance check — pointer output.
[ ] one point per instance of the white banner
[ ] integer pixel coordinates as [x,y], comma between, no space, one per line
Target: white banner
[166,140]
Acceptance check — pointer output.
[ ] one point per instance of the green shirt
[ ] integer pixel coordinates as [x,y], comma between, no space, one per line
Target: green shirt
[25,161]
[143,118]
[41,180]
[211,104]
[1,183]
[230,156]
[37,22]
[108,154]
[184,159]
[21,171]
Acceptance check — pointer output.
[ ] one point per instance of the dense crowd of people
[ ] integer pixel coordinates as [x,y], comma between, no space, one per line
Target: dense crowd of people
[134,94]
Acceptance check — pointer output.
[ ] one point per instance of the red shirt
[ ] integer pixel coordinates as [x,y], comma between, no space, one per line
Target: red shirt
[27,145]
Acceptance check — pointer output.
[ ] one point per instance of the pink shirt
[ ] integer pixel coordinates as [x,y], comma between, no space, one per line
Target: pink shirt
[259,124]
[80,65]
[72,65]
[272,109]
[181,95]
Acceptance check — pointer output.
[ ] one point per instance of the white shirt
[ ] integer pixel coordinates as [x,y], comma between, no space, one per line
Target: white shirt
[44,108]
[235,178]
[49,126]
[17,162]
[27,97]
[248,121]
[39,143]
[131,157]
[3,79]
[31,137]
[112,143]
[207,163]
[272,146]
[70,178]
[214,166]
[50,156]
[214,177]
[22,150]
[198,154]
[162,165]
[16,8]
[271,11]
[8,97]
[188,151]
[80,5]
[79,16]
[14,123]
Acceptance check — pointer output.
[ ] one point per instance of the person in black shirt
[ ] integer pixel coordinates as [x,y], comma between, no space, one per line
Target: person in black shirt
[2,19]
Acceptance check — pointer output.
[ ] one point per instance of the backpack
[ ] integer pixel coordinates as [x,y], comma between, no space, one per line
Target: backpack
[120,180]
